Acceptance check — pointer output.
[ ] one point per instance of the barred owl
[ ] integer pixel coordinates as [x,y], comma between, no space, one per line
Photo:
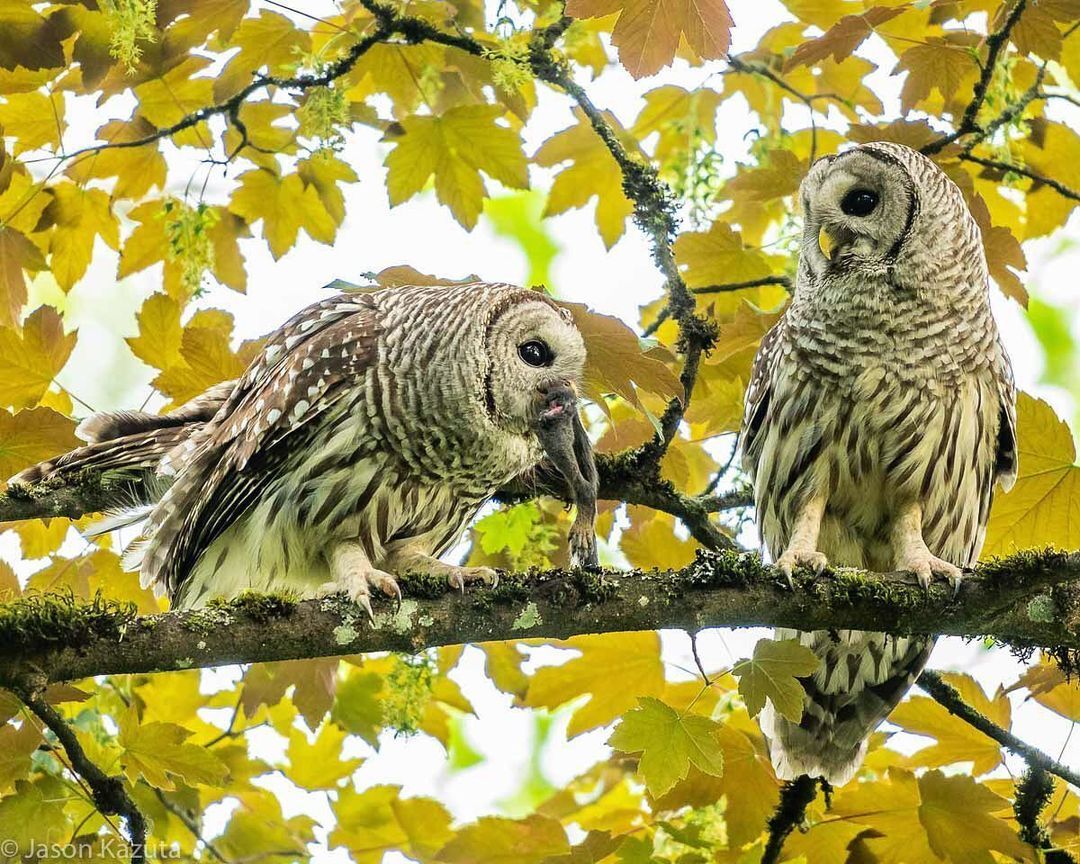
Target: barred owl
[356,447]
[879,416]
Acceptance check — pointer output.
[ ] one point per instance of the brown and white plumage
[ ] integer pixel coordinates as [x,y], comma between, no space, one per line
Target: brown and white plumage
[358,444]
[879,416]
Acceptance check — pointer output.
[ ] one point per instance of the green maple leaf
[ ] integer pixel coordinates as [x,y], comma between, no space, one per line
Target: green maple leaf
[669,743]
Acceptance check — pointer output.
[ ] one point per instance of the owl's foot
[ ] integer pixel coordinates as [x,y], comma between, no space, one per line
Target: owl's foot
[911,553]
[407,561]
[926,566]
[802,548]
[459,576]
[796,556]
[353,575]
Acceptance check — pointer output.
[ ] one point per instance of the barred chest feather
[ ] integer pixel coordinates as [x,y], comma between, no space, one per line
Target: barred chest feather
[880,416]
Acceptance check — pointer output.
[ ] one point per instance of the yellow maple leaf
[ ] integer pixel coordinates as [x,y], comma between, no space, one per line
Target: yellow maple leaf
[285,205]
[165,100]
[17,253]
[206,354]
[1043,508]
[454,148]
[136,169]
[958,815]
[496,840]
[719,257]
[1056,153]
[268,40]
[670,110]
[647,32]
[160,333]
[35,120]
[890,809]
[593,172]
[79,216]
[650,541]
[957,741]
[620,362]
[1050,687]
[29,361]
[773,673]
[938,64]
[319,764]
[156,752]
[669,743]
[615,669]
[378,820]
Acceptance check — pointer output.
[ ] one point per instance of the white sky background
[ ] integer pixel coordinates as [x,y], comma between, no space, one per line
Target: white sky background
[422,233]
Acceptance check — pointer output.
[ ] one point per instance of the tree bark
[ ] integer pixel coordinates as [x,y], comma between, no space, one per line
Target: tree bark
[1025,601]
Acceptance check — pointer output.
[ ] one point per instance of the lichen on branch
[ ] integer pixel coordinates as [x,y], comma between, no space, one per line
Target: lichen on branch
[65,639]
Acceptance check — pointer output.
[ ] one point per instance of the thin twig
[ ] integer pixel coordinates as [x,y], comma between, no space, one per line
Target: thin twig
[109,794]
[1009,114]
[191,823]
[948,697]
[1072,100]
[995,42]
[654,212]
[785,281]
[697,660]
[231,106]
[1058,187]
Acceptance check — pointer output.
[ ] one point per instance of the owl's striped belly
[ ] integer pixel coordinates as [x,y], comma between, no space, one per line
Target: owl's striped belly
[282,544]
[872,448]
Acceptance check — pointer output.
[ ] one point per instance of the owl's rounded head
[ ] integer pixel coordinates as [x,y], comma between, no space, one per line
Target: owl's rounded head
[533,350]
[860,206]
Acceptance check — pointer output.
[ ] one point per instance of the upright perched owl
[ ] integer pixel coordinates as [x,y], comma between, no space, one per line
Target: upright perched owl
[358,445]
[879,415]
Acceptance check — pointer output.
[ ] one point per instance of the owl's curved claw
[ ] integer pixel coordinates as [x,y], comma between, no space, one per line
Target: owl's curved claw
[926,566]
[793,558]
[459,576]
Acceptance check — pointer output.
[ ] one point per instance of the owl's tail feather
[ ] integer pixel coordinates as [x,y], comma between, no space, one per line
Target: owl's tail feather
[128,445]
[863,676]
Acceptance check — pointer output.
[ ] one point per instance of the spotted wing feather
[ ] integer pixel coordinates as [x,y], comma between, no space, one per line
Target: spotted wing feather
[306,368]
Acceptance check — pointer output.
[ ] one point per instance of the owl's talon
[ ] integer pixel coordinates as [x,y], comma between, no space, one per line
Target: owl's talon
[926,566]
[794,558]
[457,577]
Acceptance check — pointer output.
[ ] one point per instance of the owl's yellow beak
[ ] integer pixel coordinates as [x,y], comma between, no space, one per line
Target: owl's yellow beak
[825,241]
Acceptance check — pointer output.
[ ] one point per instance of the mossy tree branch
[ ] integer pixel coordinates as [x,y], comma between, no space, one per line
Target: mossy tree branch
[57,639]
[1033,792]
[795,797]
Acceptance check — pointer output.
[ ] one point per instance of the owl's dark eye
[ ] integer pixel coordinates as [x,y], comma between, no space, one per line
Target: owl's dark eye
[859,202]
[536,353]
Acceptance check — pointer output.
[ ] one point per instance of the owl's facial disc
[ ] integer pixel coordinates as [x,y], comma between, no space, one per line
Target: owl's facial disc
[858,208]
[532,346]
